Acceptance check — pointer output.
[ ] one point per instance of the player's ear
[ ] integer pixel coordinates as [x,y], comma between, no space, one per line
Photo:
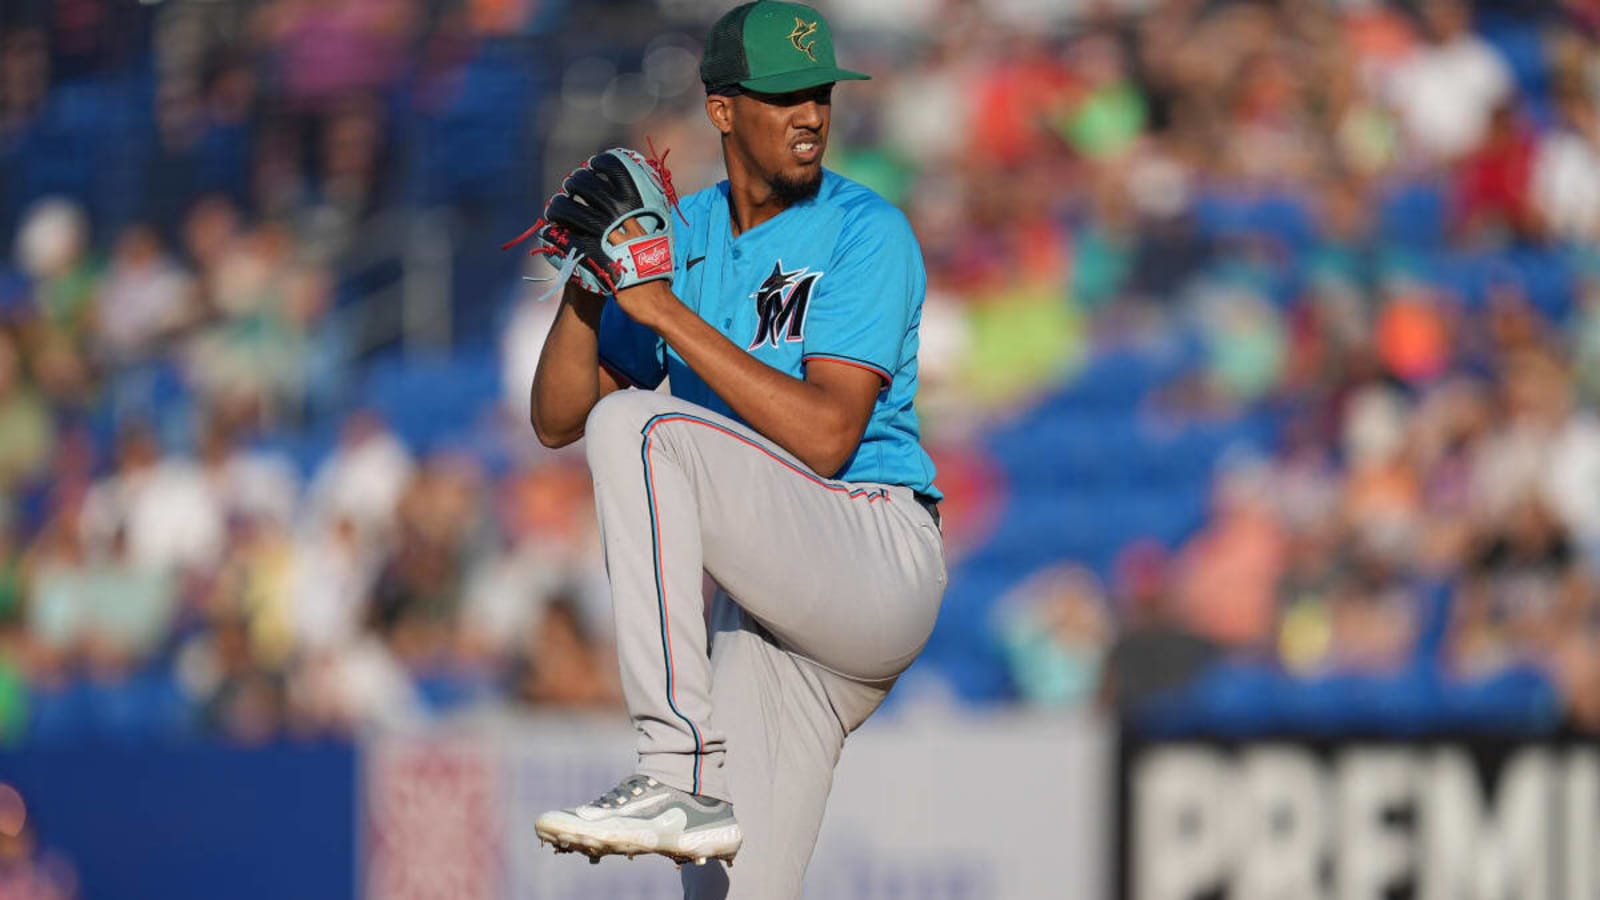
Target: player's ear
[719,109]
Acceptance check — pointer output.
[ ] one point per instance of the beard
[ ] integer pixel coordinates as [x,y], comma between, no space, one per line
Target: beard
[790,191]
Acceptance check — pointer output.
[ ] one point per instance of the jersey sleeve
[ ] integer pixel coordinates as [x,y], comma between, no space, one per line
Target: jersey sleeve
[866,301]
[630,349]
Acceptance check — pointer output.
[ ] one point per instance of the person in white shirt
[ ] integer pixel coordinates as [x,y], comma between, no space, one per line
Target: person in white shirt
[1566,170]
[1446,92]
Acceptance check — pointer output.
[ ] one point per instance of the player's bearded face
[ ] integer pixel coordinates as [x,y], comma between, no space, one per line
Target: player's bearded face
[784,136]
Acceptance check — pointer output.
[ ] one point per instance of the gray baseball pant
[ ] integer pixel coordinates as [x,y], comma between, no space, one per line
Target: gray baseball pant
[829,590]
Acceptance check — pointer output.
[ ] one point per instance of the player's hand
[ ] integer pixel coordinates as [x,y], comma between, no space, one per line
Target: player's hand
[629,229]
[642,302]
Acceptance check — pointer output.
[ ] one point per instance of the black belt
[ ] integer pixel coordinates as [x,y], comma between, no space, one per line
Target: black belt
[931,505]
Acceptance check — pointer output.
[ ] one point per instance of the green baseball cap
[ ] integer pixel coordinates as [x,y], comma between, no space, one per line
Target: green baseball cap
[773,48]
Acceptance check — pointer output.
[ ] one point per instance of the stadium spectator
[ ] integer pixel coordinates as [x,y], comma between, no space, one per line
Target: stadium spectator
[28,870]
[27,434]
[251,485]
[163,508]
[1495,180]
[1449,87]
[52,247]
[1154,655]
[1566,169]
[24,81]
[250,360]
[330,585]
[561,666]
[1228,572]
[363,479]
[144,299]
[1055,631]
[239,698]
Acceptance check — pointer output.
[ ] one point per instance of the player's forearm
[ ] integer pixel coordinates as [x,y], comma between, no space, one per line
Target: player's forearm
[795,414]
[566,384]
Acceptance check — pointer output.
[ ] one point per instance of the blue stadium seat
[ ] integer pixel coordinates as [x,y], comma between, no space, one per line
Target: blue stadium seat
[427,402]
[1520,42]
[477,146]
[1413,214]
[1283,218]
[1518,700]
[1547,277]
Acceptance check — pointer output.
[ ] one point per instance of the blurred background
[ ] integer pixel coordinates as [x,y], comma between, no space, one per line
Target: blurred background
[1260,360]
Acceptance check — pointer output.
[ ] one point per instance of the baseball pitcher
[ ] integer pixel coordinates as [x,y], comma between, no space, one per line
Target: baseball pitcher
[783,307]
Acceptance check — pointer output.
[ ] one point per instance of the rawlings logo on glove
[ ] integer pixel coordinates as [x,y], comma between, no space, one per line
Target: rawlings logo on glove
[652,258]
[595,201]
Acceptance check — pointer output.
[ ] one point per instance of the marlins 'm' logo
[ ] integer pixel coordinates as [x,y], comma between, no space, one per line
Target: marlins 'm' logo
[803,30]
[781,303]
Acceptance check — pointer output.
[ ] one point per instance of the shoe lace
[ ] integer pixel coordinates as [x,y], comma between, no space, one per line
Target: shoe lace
[631,787]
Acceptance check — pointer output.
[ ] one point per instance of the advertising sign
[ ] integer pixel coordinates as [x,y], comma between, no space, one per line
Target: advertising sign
[1439,820]
[963,810]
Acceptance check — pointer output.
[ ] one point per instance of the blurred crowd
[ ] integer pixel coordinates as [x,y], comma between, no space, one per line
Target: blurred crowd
[201,531]
[1375,224]
[1378,224]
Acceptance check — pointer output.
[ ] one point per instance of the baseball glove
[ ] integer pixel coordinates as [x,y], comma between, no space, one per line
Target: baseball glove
[595,200]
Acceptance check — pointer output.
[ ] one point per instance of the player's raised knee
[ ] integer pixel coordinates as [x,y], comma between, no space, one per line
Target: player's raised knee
[620,417]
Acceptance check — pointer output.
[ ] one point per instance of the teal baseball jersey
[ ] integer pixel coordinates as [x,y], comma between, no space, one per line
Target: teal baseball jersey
[838,278]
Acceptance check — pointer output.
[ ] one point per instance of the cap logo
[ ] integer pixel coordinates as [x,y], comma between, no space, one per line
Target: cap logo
[803,30]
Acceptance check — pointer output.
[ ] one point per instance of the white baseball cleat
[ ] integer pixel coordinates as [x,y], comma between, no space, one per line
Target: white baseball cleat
[642,815]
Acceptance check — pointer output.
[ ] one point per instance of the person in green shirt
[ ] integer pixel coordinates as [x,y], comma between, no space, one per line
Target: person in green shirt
[27,432]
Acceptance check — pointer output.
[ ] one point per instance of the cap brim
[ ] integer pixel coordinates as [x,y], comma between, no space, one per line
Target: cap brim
[799,80]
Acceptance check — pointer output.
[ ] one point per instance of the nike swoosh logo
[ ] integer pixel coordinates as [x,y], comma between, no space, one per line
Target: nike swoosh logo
[691,263]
